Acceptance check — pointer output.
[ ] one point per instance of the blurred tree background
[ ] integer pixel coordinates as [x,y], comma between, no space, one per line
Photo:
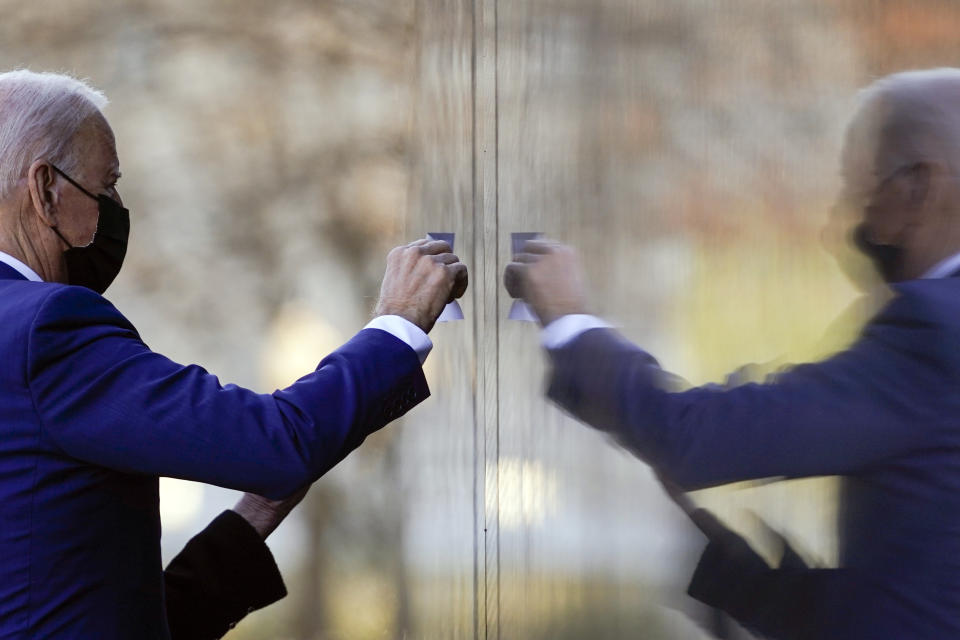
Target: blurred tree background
[273,152]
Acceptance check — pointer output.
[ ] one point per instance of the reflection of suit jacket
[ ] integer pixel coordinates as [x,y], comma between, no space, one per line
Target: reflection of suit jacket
[885,414]
[91,417]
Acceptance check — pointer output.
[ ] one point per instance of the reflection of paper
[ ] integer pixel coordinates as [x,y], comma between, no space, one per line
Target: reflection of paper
[518,240]
[452,311]
[519,309]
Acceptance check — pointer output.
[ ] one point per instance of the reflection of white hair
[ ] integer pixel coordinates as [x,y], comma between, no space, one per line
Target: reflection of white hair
[39,115]
[909,117]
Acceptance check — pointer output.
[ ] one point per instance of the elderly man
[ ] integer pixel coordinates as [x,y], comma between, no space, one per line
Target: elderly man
[91,417]
[883,414]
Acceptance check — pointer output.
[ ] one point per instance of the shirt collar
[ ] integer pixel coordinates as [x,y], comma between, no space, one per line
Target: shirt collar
[944,268]
[21,268]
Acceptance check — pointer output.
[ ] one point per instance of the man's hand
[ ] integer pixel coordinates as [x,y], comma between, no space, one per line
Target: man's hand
[547,276]
[421,278]
[265,515]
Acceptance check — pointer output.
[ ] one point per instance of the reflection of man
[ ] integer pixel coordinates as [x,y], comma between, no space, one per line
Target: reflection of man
[90,417]
[885,413]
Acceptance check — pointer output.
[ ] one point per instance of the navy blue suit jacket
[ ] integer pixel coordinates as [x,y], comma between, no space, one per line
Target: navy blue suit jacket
[90,417]
[885,414]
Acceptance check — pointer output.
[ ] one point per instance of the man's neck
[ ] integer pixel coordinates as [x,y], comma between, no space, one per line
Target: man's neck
[19,239]
[16,249]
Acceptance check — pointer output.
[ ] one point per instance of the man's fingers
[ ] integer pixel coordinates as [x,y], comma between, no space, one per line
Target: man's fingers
[446,258]
[513,279]
[527,258]
[434,247]
[460,280]
[541,247]
[417,243]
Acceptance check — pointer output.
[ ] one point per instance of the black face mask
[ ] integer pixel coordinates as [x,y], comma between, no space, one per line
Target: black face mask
[887,258]
[96,265]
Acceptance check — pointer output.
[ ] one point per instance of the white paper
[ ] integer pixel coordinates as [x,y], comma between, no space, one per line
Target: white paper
[451,312]
[520,310]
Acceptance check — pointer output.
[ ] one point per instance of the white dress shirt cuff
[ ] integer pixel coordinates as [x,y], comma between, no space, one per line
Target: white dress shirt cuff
[566,329]
[23,269]
[405,330]
[944,268]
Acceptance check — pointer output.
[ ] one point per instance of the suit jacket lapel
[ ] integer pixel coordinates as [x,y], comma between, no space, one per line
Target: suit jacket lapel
[9,273]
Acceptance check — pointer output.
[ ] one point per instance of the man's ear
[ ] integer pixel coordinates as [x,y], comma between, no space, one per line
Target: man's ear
[45,199]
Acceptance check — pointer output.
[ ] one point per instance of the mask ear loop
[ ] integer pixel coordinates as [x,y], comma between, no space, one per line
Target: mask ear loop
[77,185]
[74,182]
[60,235]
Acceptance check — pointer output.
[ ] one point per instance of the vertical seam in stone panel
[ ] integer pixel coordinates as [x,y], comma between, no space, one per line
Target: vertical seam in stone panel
[485,238]
[496,288]
[477,457]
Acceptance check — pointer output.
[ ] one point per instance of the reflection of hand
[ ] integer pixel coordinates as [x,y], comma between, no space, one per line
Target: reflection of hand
[265,515]
[775,603]
[421,278]
[548,277]
[727,564]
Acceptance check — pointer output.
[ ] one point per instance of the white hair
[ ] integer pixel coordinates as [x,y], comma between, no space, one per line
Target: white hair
[907,118]
[39,115]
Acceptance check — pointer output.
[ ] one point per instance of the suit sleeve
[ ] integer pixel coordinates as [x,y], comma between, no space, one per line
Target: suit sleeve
[833,417]
[105,398]
[225,572]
